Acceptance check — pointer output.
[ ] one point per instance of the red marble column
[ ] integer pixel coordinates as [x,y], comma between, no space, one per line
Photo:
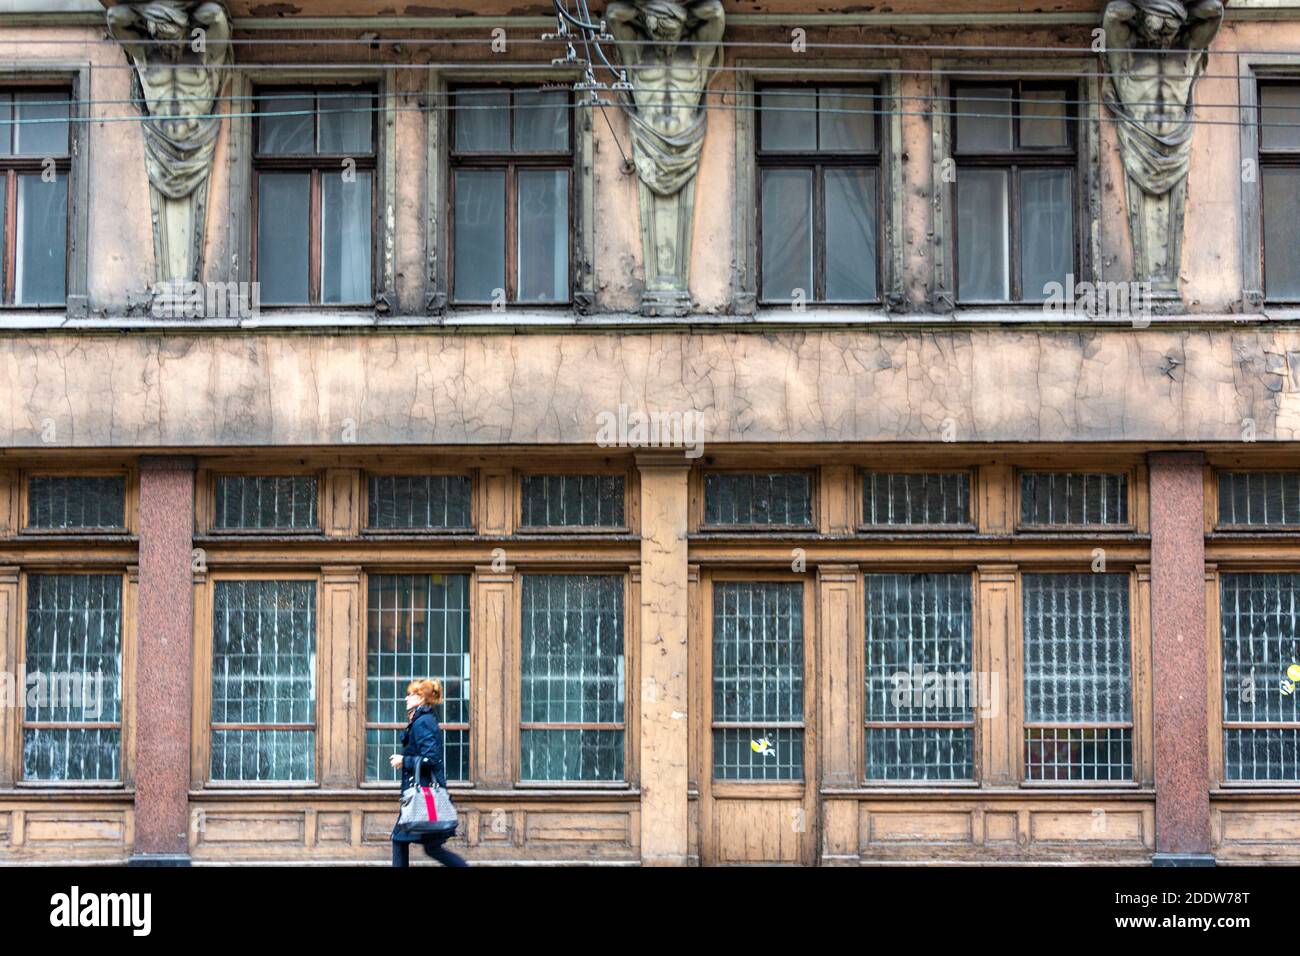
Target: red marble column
[1179,658]
[163,669]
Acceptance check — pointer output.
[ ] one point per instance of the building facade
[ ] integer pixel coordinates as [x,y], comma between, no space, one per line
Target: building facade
[794,433]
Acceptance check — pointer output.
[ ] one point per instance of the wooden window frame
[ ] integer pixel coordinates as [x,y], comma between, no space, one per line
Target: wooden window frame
[818,161]
[630,518]
[629,726]
[206,506]
[201,767]
[415,471]
[789,789]
[472,701]
[510,163]
[1212,503]
[126,663]
[130,501]
[814,502]
[1016,161]
[1214,572]
[1272,159]
[315,165]
[11,167]
[1134,491]
[970,526]
[1139,669]
[978,727]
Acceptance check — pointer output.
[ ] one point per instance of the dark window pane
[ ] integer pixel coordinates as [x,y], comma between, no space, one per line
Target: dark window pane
[572,501]
[346,123]
[1073,498]
[345,238]
[787,234]
[419,501]
[266,503]
[480,244]
[1281,211]
[1259,498]
[984,117]
[73,502]
[983,235]
[543,235]
[417,627]
[571,637]
[788,119]
[482,121]
[758,680]
[1279,118]
[758,500]
[847,120]
[42,123]
[1044,119]
[283,232]
[851,210]
[73,675]
[42,240]
[1262,753]
[1047,225]
[264,673]
[541,121]
[902,499]
[286,125]
[1079,753]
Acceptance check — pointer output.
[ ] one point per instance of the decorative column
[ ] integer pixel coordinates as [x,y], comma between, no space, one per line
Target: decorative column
[669,50]
[1155,52]
[180,50]
[665,660]
[1180,667]
[164,672]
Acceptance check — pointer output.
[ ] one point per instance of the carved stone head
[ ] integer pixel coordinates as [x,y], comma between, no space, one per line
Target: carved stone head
[665,22]
[1160,21]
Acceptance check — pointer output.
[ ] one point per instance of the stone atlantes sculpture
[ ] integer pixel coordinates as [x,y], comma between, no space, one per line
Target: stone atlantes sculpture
[1155,52]
[668,79]
[180,50]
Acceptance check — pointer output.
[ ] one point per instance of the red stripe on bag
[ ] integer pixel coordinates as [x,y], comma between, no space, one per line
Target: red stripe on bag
[428,802]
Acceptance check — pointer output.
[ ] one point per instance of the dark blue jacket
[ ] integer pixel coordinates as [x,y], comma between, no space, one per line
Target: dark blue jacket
[422,747]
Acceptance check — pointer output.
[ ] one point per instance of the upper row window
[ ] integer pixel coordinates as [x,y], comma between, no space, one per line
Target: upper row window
[314,172]
[512,196]
[1016,175]
[35,158]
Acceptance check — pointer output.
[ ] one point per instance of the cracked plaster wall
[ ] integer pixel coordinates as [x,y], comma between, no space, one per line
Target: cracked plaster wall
[860,386]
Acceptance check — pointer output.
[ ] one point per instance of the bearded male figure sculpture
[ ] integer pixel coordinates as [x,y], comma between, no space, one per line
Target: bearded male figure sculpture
[180,50]
[1155,52]
[668,79]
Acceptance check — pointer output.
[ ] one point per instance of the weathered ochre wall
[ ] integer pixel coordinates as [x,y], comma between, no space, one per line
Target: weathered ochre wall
[1156,385]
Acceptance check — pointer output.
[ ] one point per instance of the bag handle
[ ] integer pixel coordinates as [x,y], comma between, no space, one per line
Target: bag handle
[419,765]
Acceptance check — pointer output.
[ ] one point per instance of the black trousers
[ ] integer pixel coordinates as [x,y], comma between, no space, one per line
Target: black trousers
[433,846]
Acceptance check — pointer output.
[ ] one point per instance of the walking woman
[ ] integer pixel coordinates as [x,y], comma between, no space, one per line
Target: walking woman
[422,753]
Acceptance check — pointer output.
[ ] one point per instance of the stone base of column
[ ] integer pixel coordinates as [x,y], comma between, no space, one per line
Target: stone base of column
[159,859]
[1183,859]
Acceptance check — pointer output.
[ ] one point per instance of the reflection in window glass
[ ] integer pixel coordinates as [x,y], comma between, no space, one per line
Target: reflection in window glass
[417,627]
[74,647]
[571,640]
[983,235]
[758,681]
[264,680]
